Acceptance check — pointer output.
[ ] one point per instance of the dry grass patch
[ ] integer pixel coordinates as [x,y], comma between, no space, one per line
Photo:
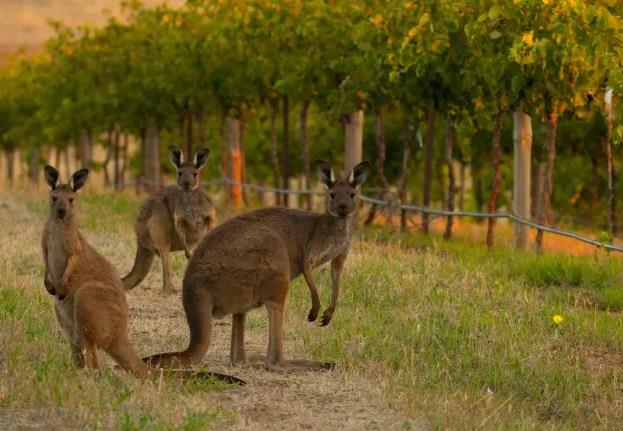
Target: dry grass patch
[427,334]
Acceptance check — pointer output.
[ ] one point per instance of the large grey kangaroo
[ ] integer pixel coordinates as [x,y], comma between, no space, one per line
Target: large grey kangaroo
[171,219]
[90,302]
[250,260]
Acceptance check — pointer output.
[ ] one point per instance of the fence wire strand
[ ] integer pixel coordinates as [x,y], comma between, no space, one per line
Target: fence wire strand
[419,209]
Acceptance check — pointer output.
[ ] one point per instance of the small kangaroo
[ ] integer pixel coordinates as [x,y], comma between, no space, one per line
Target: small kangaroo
[250,260]
[90,303]
[174,218]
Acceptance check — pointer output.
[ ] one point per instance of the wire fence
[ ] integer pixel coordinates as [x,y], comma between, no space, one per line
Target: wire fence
[393,205]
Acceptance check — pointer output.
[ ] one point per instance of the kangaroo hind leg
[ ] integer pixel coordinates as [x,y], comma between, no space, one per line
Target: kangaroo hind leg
[236,352]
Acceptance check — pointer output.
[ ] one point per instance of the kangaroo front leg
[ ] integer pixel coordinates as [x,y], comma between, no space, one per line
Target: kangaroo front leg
[236,351]
[72,262]
[337,265]
[49,286]
[181,233]
[315,299]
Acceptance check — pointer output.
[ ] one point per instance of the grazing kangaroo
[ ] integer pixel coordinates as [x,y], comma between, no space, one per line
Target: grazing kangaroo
[250,260]
[90,302]
[171,219]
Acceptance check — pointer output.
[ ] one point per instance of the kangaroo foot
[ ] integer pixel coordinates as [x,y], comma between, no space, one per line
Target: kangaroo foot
[239,359]
[169,290]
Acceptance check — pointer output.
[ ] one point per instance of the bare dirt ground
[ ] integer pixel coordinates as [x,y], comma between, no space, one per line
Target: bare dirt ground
[271,400]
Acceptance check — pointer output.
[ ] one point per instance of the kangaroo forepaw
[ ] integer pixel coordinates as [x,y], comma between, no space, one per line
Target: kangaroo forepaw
[49,286]
[326,317]
[313,315]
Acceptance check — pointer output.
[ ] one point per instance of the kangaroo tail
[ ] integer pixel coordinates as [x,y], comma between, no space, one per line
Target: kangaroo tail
[205,375]
[142,264]
[198,308]
[126,357]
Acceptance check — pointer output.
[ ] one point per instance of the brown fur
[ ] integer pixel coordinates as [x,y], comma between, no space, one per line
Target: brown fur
[174,218]
[90,303]
[250,260]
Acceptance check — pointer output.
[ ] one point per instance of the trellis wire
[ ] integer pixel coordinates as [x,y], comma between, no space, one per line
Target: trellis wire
[421,209]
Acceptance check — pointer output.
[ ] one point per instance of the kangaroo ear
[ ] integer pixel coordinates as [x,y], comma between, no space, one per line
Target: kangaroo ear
[78,179]
[176,156]
[201,158]
[52,176]
[325,173]
[359,174]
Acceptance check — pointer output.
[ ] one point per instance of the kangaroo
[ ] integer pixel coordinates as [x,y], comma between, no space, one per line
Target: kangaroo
[90,303]
[250,260]
[174,218]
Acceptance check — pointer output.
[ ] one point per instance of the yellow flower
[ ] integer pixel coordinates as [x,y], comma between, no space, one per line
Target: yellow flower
[528,38]
[412,32]
[377,20]
[558,319]
[547,1]
[410,5]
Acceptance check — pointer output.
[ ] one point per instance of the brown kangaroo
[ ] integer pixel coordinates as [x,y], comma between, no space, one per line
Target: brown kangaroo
[90,303]
[250,260]
[174,218]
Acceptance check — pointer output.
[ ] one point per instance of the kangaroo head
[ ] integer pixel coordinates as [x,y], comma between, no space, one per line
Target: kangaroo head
[62,195]
[187,171]
[342,194]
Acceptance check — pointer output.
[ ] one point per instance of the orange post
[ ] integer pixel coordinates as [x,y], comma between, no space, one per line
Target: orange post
[236,176]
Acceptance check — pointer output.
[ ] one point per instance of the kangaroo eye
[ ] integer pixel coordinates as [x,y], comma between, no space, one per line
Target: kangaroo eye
[54,198]
[179,174]
[332,195]
[195,175]
[71,200]
[352,196]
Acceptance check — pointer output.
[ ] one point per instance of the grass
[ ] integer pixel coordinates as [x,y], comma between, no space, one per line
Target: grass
[428,333]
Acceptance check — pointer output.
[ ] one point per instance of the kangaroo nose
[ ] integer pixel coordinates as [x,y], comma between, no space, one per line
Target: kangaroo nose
[60,213]
[61,296]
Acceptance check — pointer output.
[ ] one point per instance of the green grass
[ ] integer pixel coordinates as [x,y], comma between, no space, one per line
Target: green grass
[450,331]
[448,319]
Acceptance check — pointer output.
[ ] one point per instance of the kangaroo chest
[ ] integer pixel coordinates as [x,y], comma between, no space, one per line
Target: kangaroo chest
[335,243]
[331,250]
[192,216]
[56,257]
[193,221]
